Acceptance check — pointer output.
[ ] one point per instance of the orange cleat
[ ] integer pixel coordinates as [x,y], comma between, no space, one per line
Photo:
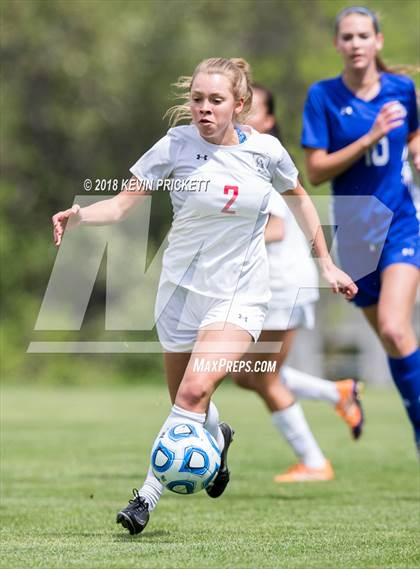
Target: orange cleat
[302,473]
[350,407]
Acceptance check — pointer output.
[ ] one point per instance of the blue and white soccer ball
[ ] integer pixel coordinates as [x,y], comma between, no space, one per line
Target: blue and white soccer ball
[185,458]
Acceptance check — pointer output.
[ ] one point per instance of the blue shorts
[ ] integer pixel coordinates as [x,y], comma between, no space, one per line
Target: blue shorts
[405,251]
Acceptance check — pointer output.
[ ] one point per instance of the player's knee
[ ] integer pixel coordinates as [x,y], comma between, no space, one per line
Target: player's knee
[393,334]
[193,393]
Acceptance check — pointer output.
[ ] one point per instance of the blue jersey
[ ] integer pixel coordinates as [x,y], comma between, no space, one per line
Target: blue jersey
[334,118]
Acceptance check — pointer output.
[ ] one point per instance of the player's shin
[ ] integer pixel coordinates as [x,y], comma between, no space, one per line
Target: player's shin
[151,490]
[406,374]
[292,424]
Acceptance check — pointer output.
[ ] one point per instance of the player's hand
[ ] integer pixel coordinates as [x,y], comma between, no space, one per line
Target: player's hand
[390,116]
[339,281]
[68,218]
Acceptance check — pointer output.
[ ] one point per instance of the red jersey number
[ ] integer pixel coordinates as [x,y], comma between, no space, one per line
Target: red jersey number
[227,190]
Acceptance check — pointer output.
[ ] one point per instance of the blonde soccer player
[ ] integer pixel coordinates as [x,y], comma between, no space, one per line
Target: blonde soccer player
[214,287]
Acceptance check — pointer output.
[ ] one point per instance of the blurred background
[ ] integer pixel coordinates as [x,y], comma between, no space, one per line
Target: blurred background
[85,85]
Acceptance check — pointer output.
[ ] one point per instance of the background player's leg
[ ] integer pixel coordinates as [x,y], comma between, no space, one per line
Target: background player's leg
[276,395]
[343,394]
[399,284]
[306,386]
[391,319]
[287,415]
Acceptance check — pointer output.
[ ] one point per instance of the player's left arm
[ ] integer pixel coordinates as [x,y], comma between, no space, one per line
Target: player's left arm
[413,141]
[307,217]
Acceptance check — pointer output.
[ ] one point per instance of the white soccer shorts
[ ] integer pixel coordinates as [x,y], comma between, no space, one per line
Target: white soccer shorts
[290,317]
[180,313]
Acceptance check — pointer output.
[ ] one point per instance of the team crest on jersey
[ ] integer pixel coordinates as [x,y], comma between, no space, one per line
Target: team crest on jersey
[261,163]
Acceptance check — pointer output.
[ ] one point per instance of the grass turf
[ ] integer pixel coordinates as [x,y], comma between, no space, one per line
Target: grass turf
[71,457]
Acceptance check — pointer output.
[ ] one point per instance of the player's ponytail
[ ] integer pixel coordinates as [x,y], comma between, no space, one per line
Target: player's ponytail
[242,87]
[382,66]
[237,70]
[396,69]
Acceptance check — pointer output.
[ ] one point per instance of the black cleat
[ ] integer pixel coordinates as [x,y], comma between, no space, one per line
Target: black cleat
[223,476]
[136,515]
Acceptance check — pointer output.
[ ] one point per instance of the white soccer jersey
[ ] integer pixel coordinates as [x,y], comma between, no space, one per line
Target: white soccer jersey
[293,273]
[216,243]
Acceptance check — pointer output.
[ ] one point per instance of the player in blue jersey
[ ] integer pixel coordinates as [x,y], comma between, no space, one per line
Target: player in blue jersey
[356,131]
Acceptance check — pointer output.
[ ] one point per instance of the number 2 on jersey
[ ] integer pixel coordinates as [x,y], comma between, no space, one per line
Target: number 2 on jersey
[226,191]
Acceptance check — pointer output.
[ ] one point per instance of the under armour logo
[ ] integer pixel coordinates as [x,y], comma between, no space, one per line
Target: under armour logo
[244,317]
[346,111]
[203,156]
[408,252]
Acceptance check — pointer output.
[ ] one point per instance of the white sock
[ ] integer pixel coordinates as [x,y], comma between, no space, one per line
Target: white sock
[212,425]
[152,489]
[306,386]
[292,425]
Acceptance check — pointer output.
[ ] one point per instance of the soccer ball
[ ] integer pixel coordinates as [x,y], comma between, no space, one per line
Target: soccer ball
[185,458]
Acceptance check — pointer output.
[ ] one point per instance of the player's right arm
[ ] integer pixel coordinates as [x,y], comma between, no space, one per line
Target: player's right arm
[323,166]
[100,213]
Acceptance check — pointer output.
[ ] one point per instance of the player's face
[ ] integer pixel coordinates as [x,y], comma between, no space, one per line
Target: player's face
[357,41]
[258,117]
[213,107]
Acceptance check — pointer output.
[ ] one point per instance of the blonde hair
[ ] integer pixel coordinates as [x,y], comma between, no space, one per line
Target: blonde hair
[237,70]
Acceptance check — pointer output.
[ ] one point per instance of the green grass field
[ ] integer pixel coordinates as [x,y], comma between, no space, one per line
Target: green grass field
[71,457]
